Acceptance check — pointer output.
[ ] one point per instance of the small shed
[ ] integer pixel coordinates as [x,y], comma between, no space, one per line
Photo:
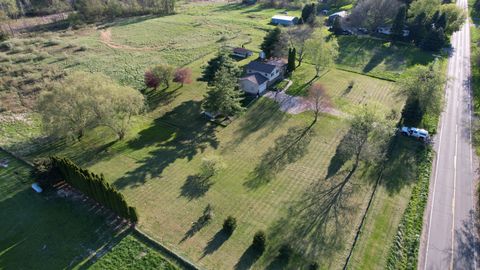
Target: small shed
[284,20]
[241,52]
[340,14]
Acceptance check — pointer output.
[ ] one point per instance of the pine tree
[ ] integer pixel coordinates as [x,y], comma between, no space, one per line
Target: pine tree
[434,40]
[270,40]
[221,60]
[222,97]
[291,60]
[399,23]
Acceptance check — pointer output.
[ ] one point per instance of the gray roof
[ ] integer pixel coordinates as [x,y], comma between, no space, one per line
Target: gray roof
[261,67]
[255,78]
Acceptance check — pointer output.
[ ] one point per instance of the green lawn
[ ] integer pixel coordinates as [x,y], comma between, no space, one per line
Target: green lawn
[44,231]
[379,57]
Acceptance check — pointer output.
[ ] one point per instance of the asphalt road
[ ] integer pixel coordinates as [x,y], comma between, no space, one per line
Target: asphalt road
[449,239]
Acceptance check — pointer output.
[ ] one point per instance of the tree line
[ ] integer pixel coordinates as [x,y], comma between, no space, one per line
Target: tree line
[93,10]
[95,187]
[87,10]
[430,22]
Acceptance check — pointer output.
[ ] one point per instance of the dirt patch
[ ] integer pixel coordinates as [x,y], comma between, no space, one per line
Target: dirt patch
[106,38]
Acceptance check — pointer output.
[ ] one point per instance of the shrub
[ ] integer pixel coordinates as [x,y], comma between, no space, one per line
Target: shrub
[6,46]
[285,252]
[313,266]
[259,241]
[229,225]
[4,35]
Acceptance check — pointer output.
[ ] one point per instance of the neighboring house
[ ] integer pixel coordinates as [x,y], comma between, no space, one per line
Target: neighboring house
[242,52]
[284,20]
[386,30]
[261,75]
[341,14]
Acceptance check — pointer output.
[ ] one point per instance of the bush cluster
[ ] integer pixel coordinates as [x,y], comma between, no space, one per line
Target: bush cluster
[229,225]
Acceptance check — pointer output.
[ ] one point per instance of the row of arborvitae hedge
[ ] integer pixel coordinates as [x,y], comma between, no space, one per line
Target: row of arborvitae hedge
[403,254]
[95,187]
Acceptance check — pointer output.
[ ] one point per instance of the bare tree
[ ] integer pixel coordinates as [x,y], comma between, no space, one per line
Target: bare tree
[321,53]
[298,37]
[374,13]
[317,95]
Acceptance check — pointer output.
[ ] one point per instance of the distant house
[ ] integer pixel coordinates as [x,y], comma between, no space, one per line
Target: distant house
[340,14]
[284,20]
[386,30]
[241,52]
[260,75]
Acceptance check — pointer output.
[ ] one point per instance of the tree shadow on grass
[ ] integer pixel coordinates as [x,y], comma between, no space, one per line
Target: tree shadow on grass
[201,222]
[339,159]
[264,115]
[192,136]
[215,243]
[156,98]
[401,167]
[248,258]
[195,187]
[315,225]
[287,149]
[377,58]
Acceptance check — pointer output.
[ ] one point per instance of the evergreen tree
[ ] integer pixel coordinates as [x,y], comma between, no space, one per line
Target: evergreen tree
[291,60]
[222,97]
[309,13]
[399,23]
[337,28]
[434,40]
[221,60]
[270,40]
[442,21]
[417,28]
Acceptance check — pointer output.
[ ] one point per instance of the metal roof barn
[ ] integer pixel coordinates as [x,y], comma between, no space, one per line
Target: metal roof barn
[284,20]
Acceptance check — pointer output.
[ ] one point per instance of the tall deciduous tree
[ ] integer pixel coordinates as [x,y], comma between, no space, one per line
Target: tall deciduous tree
[374,13]
[163,73]
[424,86]
[222,97]
[298,37]
[183,76]
[321,53]
[317,95]
[84,101]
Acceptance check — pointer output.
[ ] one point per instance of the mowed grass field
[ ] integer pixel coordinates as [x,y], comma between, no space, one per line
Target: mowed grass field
[44,231]
[156,165]
[262,185]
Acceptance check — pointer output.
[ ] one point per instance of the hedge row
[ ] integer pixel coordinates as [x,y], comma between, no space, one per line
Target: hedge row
[403,253]
[95,187]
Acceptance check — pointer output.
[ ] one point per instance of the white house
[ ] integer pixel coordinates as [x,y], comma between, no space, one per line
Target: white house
[254,84]
[261,75]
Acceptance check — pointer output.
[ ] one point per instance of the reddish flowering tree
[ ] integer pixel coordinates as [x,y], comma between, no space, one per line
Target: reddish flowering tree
[183,76]
[151,80]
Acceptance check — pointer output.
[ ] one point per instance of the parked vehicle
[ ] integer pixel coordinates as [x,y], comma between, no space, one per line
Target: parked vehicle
[362,30]
[417,133]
